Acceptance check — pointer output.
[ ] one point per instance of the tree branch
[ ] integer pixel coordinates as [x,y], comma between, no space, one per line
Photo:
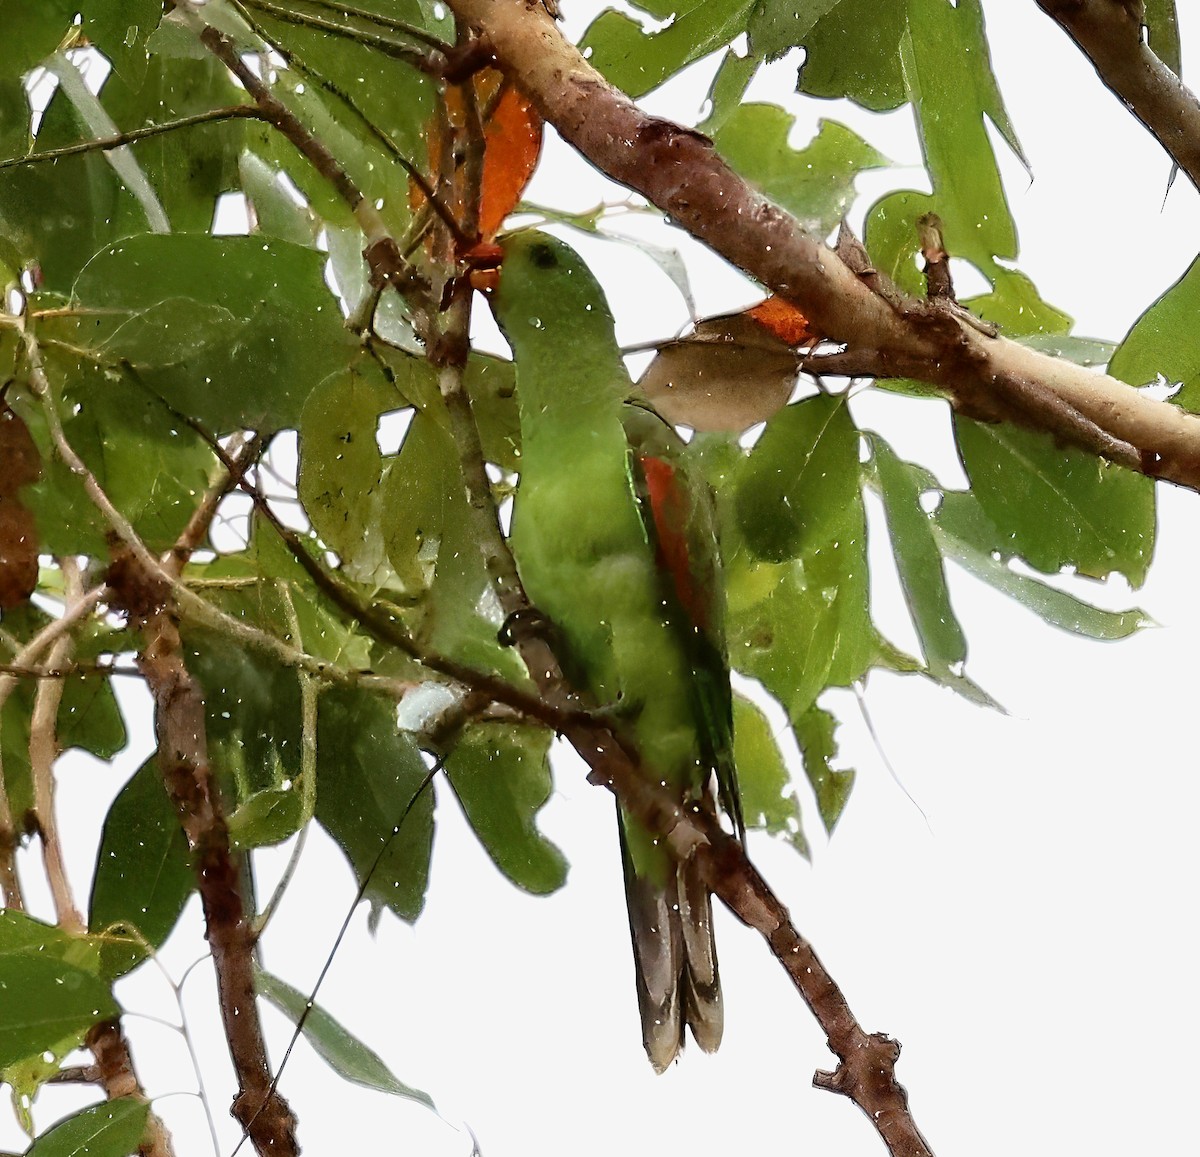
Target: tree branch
[1109,33]
[114,1072]
[10,886]
[866,1072]
[183,760]
[679,171]
[43,751]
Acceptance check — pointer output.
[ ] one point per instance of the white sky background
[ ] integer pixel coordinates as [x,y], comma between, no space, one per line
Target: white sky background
[1030,946]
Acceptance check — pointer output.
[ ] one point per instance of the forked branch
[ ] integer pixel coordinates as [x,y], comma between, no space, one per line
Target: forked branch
[679,171]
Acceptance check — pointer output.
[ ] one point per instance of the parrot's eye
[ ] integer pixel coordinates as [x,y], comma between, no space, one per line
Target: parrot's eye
[544,257]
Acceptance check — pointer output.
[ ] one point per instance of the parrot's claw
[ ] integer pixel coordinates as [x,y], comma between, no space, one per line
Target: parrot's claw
[526,623]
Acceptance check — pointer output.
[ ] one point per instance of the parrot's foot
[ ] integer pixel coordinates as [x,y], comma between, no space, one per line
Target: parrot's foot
[527,623]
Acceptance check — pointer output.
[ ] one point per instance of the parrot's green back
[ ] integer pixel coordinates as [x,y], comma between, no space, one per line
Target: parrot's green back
[588,555]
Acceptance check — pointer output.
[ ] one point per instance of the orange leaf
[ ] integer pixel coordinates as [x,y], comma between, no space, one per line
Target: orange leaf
[513,136]
[785,321]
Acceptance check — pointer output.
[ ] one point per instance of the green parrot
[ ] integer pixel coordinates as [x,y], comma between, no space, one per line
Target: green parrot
[616,544]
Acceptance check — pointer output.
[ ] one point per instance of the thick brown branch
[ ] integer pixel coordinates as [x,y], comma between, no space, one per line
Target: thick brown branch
[183,760]
[679,171]
[1109,33]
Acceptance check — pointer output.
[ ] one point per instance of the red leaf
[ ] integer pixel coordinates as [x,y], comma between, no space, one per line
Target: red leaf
[513,136]
[785,321]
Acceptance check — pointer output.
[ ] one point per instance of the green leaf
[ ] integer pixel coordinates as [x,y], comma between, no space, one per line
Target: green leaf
[501,776]
[1083,351]
[1059,507]
[89,718]
[799,479]
[1015,305]
[189,168]
[803,625]
[273,209]
[341,467]
[966,536]
[815,183]
[252,713]
[120,29]
[152,466]
[946,70]
[853,49]
[815,734]
[1164,344]
[918,560]
[637,62]
[267,817]
[368,773]
[769,800]
[56,216]
[492,386]
[341,1051]
[32,32]
[778,25]
[143,874]
[728,87]
[258,370]
[113,1129]
[364,106]
[432,546]
[46,997]
[1162,27]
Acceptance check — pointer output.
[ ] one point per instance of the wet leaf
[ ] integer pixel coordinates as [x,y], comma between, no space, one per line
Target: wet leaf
[918,560]
[113,1129]
[967,537]
[334,1044]
[368,775]
[286,336]
[501,776]
[799,479]
[46,994]
[143,874]
[341,467]
[769,799]
[815,183]
[728,374]
[1058,507]
[831,785]
[1163,344]
[637,62]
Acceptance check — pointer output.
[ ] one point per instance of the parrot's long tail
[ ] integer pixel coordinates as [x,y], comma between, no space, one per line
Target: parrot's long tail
[675,959]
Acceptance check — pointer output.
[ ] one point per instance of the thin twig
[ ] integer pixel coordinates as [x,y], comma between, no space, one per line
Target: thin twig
[382,44]
[132,136]
[389,22]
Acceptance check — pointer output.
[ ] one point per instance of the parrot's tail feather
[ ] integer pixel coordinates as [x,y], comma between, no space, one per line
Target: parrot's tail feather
[658,954]
[703,1009]
[675,960]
